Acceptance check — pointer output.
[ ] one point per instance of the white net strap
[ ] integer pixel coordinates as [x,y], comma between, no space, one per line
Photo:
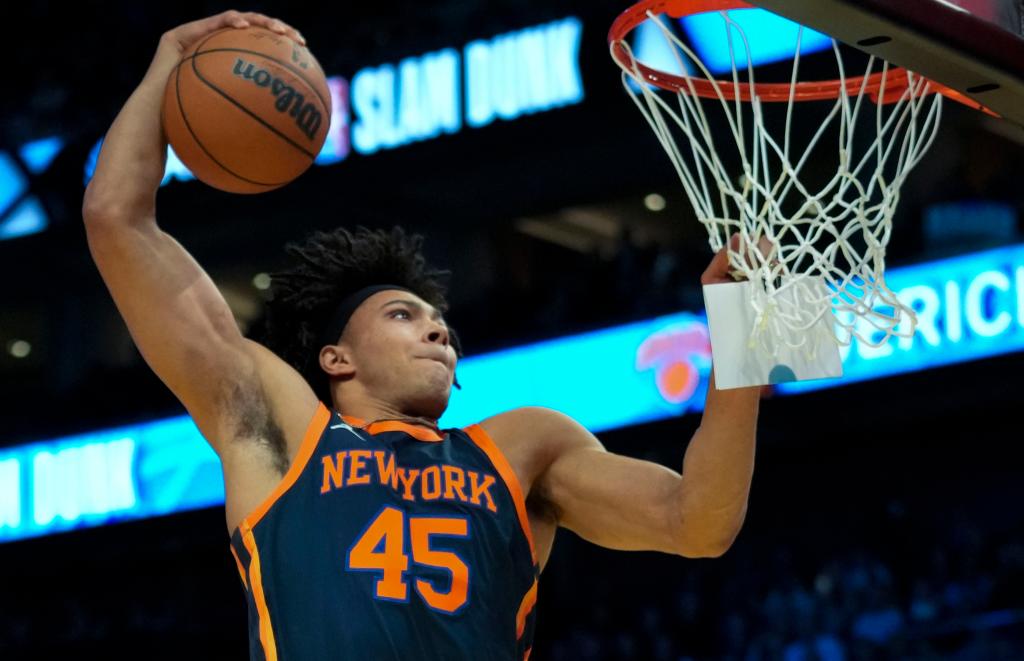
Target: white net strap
[821,251]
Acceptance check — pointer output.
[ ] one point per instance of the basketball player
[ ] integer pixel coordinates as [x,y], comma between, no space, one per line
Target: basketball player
[361,529]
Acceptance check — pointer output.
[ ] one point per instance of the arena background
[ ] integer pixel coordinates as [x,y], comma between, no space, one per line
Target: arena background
[885,517]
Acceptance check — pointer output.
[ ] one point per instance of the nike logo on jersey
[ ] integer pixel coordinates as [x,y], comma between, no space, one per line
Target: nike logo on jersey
[347,427]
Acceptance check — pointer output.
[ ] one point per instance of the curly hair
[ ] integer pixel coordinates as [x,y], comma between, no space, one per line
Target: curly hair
[329,266]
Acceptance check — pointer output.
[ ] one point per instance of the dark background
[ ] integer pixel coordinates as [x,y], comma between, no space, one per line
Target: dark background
[890,506]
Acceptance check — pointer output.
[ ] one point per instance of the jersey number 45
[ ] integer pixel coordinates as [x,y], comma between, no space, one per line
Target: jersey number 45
[381,548]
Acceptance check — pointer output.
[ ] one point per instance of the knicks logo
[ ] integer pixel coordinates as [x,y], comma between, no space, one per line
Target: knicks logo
[677,354]
[306,115]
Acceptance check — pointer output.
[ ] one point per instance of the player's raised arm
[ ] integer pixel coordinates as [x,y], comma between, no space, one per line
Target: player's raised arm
[633,505]
[175,314]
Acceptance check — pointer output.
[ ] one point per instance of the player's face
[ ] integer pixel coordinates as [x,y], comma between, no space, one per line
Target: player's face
[402,352]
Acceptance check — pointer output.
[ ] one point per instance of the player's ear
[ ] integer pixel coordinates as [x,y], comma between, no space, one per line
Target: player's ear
[336,361]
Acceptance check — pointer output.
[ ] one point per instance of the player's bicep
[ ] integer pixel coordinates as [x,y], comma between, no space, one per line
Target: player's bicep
[178,319]
[615,501]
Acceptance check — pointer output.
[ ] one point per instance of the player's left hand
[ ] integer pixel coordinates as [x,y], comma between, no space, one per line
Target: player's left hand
[721,270]
[718,271]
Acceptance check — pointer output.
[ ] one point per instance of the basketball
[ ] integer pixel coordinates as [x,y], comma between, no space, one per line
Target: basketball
[247,110]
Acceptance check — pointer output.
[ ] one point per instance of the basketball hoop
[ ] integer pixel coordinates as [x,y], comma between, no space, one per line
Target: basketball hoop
[879,87]
[813,256]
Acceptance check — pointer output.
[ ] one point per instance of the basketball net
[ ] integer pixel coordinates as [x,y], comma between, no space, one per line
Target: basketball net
[807,250]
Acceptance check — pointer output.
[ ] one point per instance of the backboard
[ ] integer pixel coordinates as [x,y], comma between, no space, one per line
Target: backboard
[973,46]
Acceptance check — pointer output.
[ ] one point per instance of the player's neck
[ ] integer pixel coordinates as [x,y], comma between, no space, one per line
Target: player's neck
[371,409]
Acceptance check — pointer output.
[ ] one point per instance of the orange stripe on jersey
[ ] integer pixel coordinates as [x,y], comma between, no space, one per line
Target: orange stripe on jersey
[309,441]
[484,442]
[241,570]
[416,431]
[419,433]
[529,601]
[526,657]
[256,581]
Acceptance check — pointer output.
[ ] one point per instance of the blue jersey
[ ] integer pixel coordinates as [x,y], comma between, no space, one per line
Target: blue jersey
[390,542]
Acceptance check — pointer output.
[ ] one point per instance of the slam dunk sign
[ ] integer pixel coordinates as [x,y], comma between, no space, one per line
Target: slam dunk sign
[967,307]
[420,98]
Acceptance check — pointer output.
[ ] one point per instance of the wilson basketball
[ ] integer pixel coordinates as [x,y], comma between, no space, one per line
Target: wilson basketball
[247,110]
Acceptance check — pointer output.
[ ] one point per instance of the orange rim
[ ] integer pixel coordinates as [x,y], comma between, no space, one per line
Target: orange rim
[881,87]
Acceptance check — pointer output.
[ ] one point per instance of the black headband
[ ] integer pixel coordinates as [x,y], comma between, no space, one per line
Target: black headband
[348,306]
[345,309]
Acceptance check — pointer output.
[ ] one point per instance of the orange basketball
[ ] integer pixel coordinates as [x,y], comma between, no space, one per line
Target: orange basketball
[247,110]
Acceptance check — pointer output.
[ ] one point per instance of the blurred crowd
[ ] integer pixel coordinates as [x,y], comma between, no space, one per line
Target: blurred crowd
[950,594]
[954,593]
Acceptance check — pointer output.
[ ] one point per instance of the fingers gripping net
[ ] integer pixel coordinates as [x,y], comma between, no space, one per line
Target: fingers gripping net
[809,244]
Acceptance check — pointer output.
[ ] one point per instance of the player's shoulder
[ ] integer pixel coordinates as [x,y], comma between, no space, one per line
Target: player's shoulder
[526,416]
[544,430]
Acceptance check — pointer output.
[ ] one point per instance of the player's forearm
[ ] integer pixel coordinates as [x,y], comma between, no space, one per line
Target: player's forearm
[132,159]
[718,468]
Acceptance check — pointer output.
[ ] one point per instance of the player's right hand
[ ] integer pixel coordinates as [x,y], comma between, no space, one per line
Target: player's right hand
[175,42]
